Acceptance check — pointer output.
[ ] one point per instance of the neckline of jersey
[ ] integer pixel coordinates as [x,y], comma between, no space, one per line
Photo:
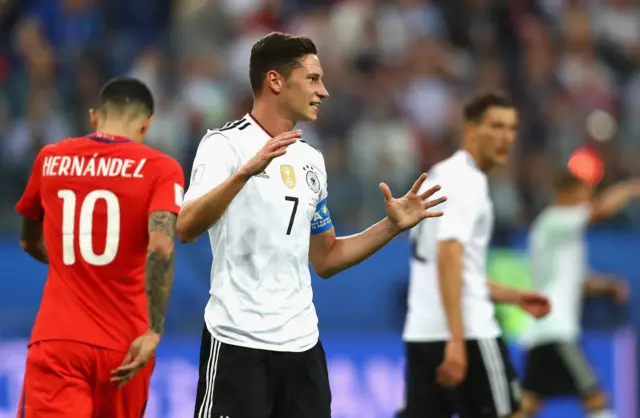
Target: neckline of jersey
[255,121]
[108,138]
[470,159]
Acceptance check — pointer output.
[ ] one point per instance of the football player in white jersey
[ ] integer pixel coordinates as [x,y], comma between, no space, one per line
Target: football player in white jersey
[261,193]
[555,365]
[457,362]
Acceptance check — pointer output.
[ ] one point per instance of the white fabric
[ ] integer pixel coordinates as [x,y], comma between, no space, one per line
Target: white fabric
[261,293]
[558,269]
[468,219]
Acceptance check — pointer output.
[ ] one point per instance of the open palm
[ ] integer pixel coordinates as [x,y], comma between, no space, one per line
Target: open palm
[408,210]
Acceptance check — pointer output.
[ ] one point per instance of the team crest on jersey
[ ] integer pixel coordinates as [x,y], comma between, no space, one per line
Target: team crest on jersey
[179,194]
[288,176]
[197,173]
[312,179]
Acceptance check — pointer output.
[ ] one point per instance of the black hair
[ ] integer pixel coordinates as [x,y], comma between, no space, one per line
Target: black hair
[476,107]
[126,93]
[277,51]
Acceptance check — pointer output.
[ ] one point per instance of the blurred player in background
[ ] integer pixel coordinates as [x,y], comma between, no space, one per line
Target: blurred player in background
[555,364]
[456,359]
[101,211]
[262,195]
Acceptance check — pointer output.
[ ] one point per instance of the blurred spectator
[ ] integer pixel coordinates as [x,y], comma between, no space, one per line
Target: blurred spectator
[41,125]
[382,146]
[397,72]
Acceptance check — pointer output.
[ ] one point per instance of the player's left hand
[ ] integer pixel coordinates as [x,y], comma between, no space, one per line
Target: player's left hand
[534,303]
[408,210]
[140,352]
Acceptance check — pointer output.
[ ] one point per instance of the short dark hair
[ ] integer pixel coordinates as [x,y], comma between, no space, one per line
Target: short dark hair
[565,179]
[126,93]
[277,51]
[477,106]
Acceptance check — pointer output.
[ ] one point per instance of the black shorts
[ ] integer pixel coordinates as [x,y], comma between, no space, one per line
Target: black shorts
[240,382]
[490,390]
[559,369]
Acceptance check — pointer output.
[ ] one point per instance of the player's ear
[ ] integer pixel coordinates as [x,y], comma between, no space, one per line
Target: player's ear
[93,117]
[274,81]
[469,128]
[145,125]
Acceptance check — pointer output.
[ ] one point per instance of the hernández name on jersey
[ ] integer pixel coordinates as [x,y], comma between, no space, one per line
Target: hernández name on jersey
[94,166]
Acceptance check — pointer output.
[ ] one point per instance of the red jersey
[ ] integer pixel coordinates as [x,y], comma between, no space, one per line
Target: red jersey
[94,195]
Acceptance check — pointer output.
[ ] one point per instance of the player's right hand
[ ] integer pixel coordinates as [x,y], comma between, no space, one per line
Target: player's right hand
[453,369]
[273,148]
[140,353]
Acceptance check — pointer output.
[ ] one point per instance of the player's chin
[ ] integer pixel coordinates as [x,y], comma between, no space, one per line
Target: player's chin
[501,158]
[311,115]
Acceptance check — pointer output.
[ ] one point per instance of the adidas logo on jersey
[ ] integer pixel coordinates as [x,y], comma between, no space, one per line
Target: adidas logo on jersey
[262,175]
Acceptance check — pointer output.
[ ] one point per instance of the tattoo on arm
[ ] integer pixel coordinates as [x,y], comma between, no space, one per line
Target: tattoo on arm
[31,239]
[159,267]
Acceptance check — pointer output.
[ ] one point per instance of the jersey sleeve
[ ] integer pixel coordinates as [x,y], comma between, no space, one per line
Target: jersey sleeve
[215,161]
[324,192]
[460,214]
[321,221]
[30,204]
[168,190]
[570,221]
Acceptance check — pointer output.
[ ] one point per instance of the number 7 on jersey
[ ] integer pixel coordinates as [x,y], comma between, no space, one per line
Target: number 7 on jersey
[293,211]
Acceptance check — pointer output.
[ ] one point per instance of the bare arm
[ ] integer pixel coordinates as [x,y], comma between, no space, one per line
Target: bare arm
[450,280]
[597,285]
[330,255]
[614,199]
[159,267]
[199,215]
[535,303]
[503,294]
[32,241]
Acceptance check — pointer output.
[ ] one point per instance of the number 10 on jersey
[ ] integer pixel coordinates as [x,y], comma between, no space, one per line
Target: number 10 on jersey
[85,227]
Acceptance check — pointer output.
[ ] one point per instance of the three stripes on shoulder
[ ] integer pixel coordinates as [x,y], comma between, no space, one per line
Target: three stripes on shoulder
[241,125]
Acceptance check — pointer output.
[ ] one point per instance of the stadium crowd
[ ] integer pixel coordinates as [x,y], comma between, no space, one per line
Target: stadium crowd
[397,72]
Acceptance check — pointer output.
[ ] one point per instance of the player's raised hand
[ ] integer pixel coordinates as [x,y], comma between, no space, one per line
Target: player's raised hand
[273,148]
[536,304]
[140,352]
[406,211]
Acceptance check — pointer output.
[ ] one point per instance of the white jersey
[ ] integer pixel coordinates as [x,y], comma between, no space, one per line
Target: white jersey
[558,269]
[261,293]
[468,218]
